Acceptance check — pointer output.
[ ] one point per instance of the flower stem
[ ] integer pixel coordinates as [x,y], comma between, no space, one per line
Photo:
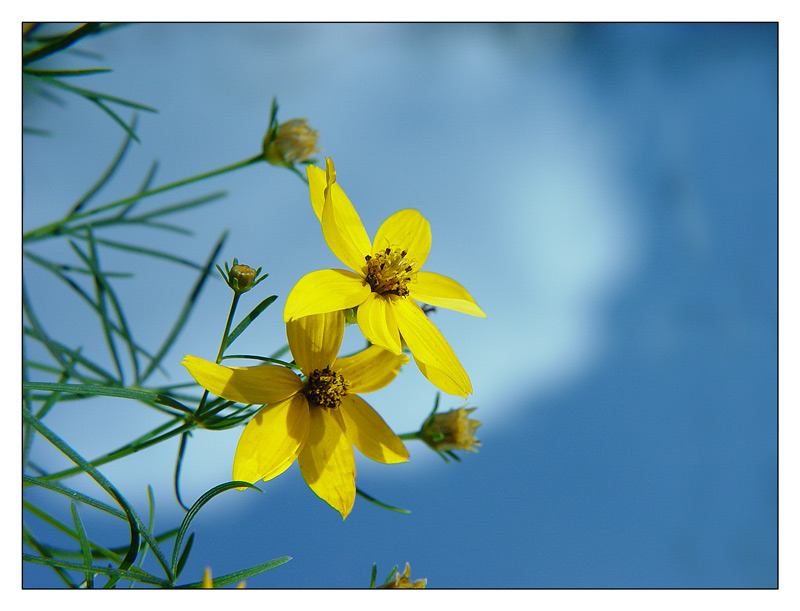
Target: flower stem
[56,227]
[231,312]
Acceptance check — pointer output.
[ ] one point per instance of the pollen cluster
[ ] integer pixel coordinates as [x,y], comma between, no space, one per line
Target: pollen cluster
[325,388]
[389,271]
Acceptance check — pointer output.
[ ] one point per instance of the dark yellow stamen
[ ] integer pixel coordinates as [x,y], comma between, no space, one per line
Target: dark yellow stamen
[325,388]
[389,271]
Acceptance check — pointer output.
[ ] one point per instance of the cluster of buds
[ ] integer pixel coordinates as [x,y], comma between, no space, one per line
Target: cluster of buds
[241,278]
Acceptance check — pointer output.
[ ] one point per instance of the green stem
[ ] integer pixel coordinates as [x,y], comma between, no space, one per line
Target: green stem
[410,436]
[56,227]
[232,311]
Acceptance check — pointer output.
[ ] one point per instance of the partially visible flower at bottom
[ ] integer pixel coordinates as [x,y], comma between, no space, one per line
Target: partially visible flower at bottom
[452,430]
[316,420]
[401,581]
[208,582]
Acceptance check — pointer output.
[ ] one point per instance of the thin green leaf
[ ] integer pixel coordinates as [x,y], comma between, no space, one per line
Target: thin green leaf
[145,441]
[145,251]
[115,162]
[46,558]
[116,574]
[96,551]
[151,516]
[60,43]
[63,267]
[124,329]
[117,119]
[32,86]
[230,578]
[184,313]
[107,391]
[47,518]
[280,352]
[266,359]
[100,294]
[38,332]
[373,576]
[136,526]
[145,186]
[178,462]
[83,295]
[36,131]
[96,96]
[195,508]
[84,541]
[72,494]
[59,349]
[247,320]
[57,227]
[171,209]
[54,73]
[184,555]
[371,499]
[163,226]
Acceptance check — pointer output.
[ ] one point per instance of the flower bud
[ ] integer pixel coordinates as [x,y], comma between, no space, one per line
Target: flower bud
[291,142]
[241,278]
[451,430]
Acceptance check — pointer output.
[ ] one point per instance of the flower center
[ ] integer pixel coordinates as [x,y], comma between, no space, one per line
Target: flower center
[389,271]
[325,388]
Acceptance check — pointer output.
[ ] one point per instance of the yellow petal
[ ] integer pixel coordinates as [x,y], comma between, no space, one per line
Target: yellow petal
[370,369]
[315,340]
[377,323]
[430,347]
[272,440]
[408,230]
[327,461]
[342,228]
[325,291]
[441,291]
[250,385]
[441,380]
[369,433]
[316,188]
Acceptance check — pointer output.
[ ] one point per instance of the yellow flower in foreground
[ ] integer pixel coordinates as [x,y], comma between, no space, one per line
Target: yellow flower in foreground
[402,581]
[316,420]
[385,282]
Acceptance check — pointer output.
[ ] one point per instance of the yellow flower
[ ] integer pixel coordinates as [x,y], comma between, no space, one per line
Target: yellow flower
[208,583]
[385,282]
[291,142]
[315,420]
[402,581]
[451,430]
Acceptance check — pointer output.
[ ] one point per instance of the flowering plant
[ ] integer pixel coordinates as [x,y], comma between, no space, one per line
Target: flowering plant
[307,409]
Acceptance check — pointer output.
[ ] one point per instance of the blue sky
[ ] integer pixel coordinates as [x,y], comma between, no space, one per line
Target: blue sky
[607,193]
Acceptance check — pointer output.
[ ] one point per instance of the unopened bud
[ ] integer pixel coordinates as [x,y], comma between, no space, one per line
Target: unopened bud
[291,142]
